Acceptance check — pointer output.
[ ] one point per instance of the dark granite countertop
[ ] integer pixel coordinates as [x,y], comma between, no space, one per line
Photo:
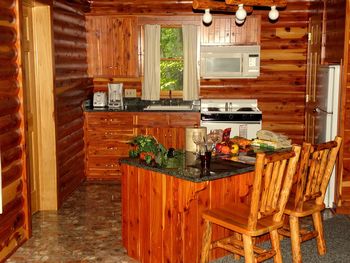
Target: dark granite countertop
[138,105]
[188,167]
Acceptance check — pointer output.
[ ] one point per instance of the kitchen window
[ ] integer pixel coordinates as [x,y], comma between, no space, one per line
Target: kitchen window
[171,59]
[170,62]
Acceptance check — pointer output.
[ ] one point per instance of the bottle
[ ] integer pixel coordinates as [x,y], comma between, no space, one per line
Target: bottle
[243,130]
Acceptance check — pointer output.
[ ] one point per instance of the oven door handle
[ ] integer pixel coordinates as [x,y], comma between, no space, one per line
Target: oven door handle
[230,122]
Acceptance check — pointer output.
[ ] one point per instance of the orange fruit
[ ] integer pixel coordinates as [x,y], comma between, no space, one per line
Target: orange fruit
[225,149]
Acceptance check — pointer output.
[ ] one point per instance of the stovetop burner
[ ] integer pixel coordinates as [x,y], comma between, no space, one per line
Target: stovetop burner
[245,109]
[213,109]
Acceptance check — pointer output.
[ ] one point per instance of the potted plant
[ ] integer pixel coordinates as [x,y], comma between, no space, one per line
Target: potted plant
[147,148]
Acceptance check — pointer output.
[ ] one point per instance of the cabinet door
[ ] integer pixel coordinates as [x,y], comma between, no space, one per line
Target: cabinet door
[168,128]
[168,137]
[112,46]
[224,31]
[125,53]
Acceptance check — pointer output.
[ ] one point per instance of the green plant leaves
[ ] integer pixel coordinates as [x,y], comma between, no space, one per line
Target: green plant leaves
[149,144]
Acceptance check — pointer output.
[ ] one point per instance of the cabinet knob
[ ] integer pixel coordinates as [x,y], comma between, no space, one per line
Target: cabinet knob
[112,148]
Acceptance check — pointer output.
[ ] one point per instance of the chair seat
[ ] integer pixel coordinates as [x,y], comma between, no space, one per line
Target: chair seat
[236,219]
[309,208]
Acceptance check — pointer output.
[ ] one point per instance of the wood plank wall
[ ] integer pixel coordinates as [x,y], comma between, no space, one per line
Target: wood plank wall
[72,86]
[14,226]
[280,89]
[343,178]
[334,31]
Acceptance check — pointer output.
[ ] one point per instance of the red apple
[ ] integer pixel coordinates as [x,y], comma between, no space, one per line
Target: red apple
[218,147]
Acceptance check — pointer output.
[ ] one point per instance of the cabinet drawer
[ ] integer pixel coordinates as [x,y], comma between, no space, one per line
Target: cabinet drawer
[185,119]
[105,120]
[97,137]
[96,148]
[96,174]
[103,163]
[152,119]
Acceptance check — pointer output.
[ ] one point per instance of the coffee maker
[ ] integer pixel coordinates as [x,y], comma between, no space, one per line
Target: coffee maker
[115,96]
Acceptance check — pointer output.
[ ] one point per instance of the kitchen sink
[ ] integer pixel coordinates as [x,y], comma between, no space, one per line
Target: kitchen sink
[169,107]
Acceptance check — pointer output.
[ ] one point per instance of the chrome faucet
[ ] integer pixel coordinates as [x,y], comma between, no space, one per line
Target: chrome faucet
[170,98]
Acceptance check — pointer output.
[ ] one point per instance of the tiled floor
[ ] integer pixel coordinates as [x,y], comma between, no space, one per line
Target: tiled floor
[86,229]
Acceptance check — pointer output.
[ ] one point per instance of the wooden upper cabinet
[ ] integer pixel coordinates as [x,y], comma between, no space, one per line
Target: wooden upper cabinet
[224,31]
[112,46]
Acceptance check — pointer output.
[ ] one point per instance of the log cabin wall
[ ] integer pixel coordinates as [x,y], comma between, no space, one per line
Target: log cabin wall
[72,87]
[280,89]
[14,224]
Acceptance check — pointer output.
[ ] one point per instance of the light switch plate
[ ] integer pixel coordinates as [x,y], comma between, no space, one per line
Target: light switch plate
[130,93]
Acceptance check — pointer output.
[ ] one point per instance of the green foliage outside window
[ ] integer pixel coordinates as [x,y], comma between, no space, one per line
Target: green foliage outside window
[171,64]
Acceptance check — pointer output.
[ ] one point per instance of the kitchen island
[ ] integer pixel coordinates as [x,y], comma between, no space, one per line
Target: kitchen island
[162,207]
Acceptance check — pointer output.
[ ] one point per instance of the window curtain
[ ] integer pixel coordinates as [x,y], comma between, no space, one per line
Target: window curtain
[151,80]
[190,51]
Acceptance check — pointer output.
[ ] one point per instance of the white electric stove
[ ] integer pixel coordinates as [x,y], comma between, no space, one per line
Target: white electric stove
[241,115]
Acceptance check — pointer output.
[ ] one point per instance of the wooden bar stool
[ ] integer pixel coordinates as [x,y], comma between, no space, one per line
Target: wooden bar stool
[315,170]
[271,187]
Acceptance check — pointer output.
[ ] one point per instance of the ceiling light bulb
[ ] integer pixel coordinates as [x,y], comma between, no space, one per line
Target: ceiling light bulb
[241,14]
[273,14]
[207,18]
[239,22]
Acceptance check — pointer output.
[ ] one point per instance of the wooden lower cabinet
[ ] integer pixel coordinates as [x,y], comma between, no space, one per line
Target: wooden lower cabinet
[106,137]
[107,134]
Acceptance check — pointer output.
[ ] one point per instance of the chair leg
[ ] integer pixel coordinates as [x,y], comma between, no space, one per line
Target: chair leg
[248,249]
[206,241]
[321,244]
[238,237]
[275,243]
[295,239]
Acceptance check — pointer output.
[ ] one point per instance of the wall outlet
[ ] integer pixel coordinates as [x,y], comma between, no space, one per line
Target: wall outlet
[130,93]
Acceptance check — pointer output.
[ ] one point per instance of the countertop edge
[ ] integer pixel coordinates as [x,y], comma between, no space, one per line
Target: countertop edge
[175,172]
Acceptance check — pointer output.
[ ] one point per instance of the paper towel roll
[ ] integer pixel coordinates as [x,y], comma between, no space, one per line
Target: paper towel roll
[190,145]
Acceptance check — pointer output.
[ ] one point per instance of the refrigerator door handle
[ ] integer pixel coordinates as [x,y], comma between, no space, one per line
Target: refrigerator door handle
[318,110]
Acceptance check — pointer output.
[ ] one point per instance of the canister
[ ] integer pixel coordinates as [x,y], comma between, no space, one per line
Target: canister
[190,145]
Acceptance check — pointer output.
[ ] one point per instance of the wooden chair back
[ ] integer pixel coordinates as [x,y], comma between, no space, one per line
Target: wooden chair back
[316,166]
[272,184]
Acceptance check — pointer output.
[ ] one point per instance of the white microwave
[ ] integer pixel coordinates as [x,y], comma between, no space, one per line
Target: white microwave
[223,62]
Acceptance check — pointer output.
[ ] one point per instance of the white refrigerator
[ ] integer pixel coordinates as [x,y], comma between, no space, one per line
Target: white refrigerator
[327,105]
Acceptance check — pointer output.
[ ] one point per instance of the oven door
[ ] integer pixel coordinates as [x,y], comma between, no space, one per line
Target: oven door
[243,129]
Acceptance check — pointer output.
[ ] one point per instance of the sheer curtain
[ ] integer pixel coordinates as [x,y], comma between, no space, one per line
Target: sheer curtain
[190,49]
[151,80]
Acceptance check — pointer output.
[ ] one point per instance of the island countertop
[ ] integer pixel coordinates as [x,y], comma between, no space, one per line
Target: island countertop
[188,167]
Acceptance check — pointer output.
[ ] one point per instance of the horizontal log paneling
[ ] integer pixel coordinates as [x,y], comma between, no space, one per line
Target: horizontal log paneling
[14,227]
[72,86]
[12,174]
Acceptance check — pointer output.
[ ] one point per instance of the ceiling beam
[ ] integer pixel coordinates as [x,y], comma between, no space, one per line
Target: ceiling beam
[217,6]
[277,3]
